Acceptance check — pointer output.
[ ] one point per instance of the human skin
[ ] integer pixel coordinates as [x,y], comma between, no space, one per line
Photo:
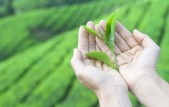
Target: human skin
[137,56]
[105,82]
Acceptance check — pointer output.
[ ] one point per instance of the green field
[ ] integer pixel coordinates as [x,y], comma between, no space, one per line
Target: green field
[37,41]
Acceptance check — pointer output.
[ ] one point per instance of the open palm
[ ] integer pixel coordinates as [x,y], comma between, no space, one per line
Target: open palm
[136,53]
[93,74]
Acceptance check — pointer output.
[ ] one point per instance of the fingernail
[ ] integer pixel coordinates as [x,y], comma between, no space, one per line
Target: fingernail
[119,24]
[102,21]
[135,31]
[90,23]
[117,21]
[81,28]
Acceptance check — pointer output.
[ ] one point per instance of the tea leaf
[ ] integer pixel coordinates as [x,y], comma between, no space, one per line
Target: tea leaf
[109,41]
[90,30]
[110,26]
[110,44]
[101,56]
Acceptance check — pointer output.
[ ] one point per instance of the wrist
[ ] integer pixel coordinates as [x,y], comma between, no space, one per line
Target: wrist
[117,97]
[149,85]
[143,80]
[109,92]
[136,78]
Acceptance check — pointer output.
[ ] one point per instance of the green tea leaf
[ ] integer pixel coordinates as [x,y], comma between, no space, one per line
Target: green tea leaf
[101,56]
[90,30]
[110,44]
[110,26]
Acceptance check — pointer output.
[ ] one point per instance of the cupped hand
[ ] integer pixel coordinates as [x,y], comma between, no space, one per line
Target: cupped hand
[93,74]
[136,53]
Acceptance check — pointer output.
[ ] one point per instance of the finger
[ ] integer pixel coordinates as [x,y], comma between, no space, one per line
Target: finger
[97,47]
[102,32]
[105,67]
[126,35]
[103,47]
[147,42]
[88,62]
[117,50]
[98,31]
[123,46]
[144,40]
[113,59]
[83,40]
[76,61]
[99,64]
[92,42]
[102,23]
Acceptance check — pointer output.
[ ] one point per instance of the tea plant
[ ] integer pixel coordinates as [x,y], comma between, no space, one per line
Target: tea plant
[108,39]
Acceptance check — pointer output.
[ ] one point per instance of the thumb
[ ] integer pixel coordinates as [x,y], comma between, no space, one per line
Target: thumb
[144,39]
[76,61]
[151,49]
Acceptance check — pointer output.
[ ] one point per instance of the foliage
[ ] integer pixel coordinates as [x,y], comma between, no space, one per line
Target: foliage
[108,39]
[36,72]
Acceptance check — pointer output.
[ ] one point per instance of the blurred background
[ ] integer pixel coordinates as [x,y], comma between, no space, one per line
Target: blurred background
[37,38]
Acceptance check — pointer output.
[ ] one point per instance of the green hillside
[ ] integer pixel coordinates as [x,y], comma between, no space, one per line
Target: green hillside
[36,47]
[34,27]
[21,5]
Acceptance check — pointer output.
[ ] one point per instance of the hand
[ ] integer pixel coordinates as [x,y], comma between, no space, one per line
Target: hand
[94,74]
[106,82]
[136,53]
[137,57]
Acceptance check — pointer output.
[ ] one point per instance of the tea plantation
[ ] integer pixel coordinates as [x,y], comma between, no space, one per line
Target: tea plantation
[36,46]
